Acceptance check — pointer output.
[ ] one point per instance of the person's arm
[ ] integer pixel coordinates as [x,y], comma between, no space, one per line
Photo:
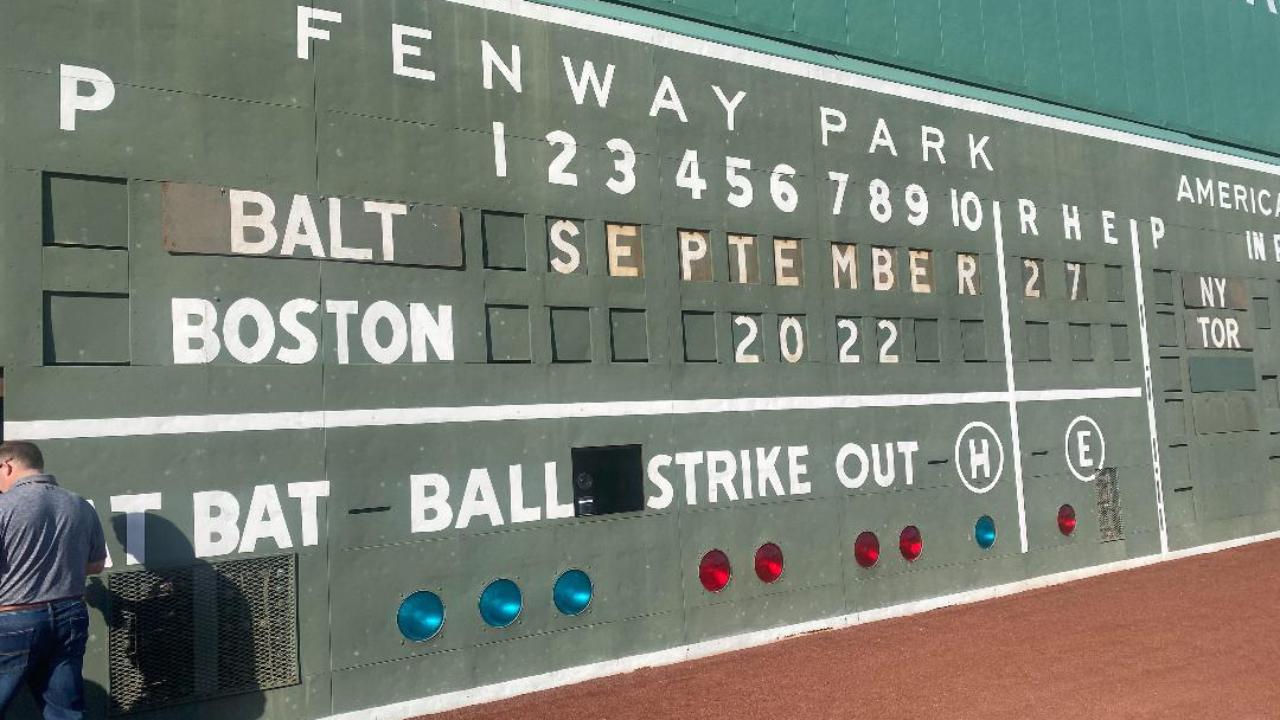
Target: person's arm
[97,544]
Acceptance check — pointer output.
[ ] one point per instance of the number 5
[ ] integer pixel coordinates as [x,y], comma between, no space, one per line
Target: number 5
[741,183]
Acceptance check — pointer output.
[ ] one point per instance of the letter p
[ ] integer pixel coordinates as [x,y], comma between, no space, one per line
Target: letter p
[71,101]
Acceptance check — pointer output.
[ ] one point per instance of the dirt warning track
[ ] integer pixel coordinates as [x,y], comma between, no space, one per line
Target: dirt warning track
[1192,638]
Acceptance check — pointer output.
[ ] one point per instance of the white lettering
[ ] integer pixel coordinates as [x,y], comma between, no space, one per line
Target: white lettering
[666,98]
[400,50]
[135,509]
[216,515]
[261,221]
[70,99]
[307,32]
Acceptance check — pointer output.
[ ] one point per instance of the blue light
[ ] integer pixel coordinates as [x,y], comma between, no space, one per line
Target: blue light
[421,616]
[500,603]
[984,532]
[572,592]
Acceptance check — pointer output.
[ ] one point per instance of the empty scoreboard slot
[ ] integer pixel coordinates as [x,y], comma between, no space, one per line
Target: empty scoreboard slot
[607,480]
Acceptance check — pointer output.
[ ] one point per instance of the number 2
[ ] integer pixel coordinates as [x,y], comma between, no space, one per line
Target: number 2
[1032,289]
[556,172]
[847,355]
[740,354]
[890,339]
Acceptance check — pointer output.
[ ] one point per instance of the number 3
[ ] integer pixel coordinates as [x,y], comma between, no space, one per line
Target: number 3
[624,166]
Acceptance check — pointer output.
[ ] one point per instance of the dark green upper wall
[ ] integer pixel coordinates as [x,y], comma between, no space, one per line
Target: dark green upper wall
[1202,67]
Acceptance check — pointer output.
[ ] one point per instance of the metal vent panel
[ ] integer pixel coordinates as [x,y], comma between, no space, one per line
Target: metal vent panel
[202,631]
[1110,522]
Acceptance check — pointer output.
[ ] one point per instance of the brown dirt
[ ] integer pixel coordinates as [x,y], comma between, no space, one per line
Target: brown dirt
[1195,638]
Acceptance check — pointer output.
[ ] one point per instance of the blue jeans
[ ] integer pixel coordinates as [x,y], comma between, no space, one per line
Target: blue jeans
[45,647]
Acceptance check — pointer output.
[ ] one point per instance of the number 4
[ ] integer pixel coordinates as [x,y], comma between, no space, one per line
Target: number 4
[687,176]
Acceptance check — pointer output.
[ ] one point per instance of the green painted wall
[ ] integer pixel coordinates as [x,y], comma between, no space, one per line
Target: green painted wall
[117,239]
[1200,67]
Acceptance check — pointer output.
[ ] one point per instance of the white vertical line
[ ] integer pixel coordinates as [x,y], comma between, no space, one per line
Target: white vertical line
[1151,398]
[1008,374]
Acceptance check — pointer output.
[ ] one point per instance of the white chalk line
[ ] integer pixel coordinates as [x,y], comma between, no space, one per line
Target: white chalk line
[119,427]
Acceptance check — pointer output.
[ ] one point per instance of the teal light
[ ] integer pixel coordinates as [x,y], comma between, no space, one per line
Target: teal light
[572,592]
[500,603]
[421,616]
[984,532]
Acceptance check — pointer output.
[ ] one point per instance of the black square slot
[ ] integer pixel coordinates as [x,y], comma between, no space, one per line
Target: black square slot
[607,480]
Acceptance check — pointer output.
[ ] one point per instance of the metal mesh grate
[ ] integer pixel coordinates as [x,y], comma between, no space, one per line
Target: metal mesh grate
[201,631]
[1110,524]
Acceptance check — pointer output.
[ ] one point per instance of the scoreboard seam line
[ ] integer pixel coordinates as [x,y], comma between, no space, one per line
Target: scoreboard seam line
[627,30]
[143,426]
[693,651]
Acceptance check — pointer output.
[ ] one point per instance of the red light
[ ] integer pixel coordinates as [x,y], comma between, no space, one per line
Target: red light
[714,570]
[769,563]
[1067,519]
[910,542]
[866,549]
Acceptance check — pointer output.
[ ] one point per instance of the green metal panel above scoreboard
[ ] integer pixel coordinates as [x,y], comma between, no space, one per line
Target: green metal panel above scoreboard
[1200,67]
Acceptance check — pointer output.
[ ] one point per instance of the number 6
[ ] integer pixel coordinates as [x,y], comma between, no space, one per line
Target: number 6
[784,193]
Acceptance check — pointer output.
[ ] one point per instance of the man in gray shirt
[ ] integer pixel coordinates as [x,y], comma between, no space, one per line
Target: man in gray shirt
[50,540]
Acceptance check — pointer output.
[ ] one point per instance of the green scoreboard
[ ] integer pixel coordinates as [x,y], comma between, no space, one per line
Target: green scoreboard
[421,353]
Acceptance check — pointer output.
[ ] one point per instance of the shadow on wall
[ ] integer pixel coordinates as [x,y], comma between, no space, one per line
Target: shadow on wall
[182,640]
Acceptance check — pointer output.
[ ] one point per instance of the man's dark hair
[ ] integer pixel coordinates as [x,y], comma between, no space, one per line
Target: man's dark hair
[24,453]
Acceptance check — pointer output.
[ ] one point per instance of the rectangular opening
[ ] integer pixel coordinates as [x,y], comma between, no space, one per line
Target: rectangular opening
[504,240]
[607,480]
[928,345]
[973,341]
[1110,523]
[1162,286]
[86,329]
[1081,336]
[192,633]
[85,210]
[1115,283]
[1038,347]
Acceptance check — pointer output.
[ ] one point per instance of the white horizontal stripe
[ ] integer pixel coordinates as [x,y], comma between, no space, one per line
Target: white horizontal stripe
[788,66]
[161,425]
[1084,394]
[386,417]
[568,676]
